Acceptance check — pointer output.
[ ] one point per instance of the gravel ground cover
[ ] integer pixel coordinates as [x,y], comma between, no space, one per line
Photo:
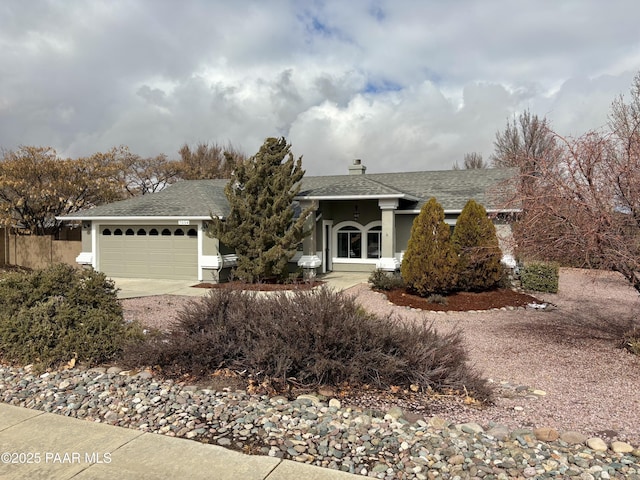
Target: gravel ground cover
[570,352]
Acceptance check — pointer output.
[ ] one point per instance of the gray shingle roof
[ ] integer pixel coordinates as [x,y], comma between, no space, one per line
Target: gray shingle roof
[195,198]
[346,186]
[201,198]
[452,188]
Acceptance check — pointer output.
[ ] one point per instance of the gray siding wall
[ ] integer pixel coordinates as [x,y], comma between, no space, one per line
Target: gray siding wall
[368,211]
[86,240]
[209,245]
[404,223]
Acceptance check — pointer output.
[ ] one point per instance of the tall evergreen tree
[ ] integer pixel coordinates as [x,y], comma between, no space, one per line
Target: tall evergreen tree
[260,226]
[475,241]
[429,264]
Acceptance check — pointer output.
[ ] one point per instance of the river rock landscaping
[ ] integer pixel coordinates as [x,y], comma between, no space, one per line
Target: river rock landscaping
[319,430]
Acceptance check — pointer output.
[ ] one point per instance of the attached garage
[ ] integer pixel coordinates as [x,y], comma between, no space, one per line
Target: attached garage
[148,251]
[162,235]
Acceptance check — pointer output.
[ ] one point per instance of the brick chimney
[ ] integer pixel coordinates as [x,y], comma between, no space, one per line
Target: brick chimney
[357,168]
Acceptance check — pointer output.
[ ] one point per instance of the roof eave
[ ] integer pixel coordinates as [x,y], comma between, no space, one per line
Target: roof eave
[458,211]
[357,197]
[138,218]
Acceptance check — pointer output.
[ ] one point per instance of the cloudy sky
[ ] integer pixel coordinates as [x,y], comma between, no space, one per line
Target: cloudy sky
[402,84]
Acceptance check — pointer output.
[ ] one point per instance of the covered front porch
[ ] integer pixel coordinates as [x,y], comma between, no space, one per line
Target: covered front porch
[351,235]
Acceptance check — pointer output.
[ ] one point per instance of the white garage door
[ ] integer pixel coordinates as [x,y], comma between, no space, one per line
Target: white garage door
[148,251]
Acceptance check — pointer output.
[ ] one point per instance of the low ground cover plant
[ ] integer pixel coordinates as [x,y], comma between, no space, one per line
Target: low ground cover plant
[60,314]
[631,340]
[540,276]
[382,280]
[307,338]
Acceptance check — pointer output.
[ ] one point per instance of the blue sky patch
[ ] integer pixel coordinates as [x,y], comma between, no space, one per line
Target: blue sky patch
[381,86]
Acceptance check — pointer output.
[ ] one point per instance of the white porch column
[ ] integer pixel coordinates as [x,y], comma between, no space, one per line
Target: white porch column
[309,259]
[388,260]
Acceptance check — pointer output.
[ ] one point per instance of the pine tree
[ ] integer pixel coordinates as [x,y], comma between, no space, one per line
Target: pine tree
[260,226]
[476,244]
[429,264]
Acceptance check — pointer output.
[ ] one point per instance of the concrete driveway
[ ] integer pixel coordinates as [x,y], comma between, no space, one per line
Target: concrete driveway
[146,287]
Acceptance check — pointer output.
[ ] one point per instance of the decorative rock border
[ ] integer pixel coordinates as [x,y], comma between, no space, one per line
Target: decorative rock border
[318,430]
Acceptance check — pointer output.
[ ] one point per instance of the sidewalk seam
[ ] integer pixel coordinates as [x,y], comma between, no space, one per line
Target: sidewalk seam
[280,461]
[40,412]
[114,450]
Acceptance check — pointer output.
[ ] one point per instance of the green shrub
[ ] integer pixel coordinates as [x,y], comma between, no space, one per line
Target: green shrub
[314,337]
[437,298]
[382,280]
[429,264]
[475,241]
[50,316]
[540,277]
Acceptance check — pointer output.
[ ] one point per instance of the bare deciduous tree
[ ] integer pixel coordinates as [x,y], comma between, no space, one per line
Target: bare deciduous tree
[148,175]
[472,161]
[36,186]
[206,161]
[524,143]
[583,206]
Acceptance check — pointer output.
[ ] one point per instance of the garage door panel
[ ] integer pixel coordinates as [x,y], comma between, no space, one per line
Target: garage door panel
[150,256]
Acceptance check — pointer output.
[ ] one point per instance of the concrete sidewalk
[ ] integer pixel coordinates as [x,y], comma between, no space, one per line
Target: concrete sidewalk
[39,445]
[145,287]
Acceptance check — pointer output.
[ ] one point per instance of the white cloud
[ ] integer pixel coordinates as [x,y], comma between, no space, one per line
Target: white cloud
[403,84]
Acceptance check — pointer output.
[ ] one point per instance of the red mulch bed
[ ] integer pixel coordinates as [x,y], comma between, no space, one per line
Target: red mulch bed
[463,301]
[261,287]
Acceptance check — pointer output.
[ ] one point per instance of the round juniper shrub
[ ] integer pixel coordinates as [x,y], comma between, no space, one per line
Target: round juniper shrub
[475,241]
[430,264]
[51,316]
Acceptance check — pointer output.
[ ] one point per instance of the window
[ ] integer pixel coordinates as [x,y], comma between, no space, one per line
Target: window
[374,242]
[192,233]
[166,232]
[179,232]
[359,242]
[117,231]
[349,242]
[153,232]
[129,231]
[142,232]
[106,231]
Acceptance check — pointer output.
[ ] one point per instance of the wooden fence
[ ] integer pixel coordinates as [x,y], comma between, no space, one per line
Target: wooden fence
[38,251]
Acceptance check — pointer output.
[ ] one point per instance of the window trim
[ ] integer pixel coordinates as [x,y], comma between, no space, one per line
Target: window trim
[376,229]
[364,231]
